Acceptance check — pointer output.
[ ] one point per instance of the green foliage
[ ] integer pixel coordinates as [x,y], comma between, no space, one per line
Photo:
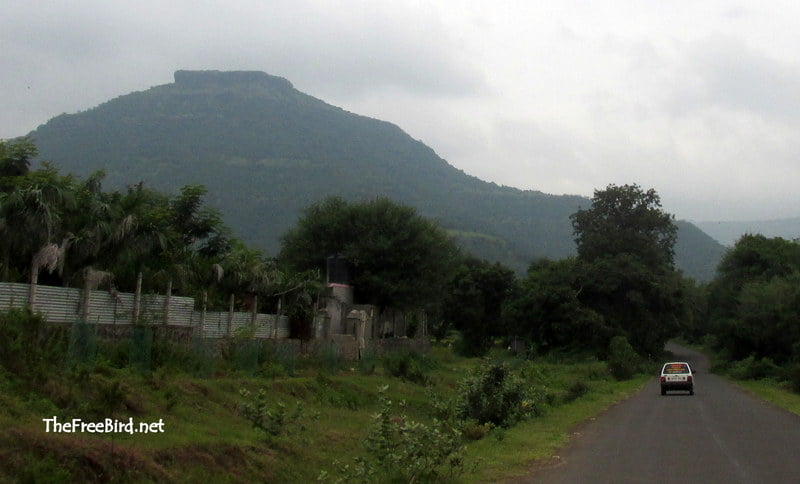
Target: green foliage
[408,365]
[265,150]
[402,450]
[754,304]
[545,309]
[21,334]
[576,390]
[752,368]
[493,394]
[623,361]
[44,471]
[626,220]
[793,375]
[272,419]
[625,249]
[398,258]
[473,304]
[16,156]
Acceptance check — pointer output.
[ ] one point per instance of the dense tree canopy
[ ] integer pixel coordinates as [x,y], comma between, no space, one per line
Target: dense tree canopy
[474,302]
[65,227]
[754,303]
[398,258]
[546,309]
[625,254]
[626,220]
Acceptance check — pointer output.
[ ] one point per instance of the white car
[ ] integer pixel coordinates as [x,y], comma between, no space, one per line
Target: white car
[677,375]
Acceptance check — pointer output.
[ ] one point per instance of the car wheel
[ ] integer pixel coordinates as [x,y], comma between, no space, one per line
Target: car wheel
[691,392]
[663,392]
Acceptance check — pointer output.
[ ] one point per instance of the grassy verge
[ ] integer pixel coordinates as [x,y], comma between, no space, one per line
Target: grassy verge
[775,392]
[513,454]
[208,435]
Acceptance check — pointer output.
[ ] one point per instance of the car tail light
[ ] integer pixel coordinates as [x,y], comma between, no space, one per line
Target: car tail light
[689,378]
[663,379]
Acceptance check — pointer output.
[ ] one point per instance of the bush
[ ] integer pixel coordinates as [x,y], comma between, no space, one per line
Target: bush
[751,368]
[623,361]
[793,375]
[492,394]
[402,450]
[408,366]
[275,419]
[27,347]
[576,390]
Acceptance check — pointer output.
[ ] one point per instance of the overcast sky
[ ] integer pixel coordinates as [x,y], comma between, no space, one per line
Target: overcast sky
[699,100]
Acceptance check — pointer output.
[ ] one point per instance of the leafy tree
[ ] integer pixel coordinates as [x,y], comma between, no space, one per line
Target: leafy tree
[398,258]
[474,302]
[626,220]
[625,247]
[753,303]
[547,311]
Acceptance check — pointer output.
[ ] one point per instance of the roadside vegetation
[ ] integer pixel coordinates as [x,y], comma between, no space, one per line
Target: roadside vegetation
[517,360]
[438,417]
[748,318]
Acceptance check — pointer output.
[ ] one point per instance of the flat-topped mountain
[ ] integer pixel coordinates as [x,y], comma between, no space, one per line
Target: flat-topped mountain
[266,150]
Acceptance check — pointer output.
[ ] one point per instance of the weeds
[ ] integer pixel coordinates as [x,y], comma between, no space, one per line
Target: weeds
[402,450]
[409,366]
[275,419]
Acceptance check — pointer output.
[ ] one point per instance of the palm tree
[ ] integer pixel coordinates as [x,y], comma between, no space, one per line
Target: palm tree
[32,214]
[15,157]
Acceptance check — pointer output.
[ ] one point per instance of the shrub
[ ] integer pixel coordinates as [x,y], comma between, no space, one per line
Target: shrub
[751,368]
[21,338]
[793,375]
[330,360]
[492,394]
[576,390]
[408,366]
[623,361]
[273,421]
[402,450]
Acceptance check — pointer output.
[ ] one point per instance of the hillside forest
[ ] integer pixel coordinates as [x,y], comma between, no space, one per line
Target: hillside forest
[265,151]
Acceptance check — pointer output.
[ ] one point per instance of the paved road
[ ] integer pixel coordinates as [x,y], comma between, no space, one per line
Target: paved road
[720,434]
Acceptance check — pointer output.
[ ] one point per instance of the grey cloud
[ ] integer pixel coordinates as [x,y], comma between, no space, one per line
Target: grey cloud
[725,73]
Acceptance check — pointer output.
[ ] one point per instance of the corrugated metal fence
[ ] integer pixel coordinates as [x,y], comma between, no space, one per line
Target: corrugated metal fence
[63,305]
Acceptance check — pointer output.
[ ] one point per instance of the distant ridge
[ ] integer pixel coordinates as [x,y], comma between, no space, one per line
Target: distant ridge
[727,233]
[266,150]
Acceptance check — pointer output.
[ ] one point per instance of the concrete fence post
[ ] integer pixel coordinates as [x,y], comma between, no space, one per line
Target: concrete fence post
[167,300]
[137,298]
[230,316]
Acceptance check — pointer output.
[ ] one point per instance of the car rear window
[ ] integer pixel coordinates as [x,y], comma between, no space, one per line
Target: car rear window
[673,368]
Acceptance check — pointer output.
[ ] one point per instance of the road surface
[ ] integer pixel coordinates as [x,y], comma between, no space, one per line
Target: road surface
[720,434]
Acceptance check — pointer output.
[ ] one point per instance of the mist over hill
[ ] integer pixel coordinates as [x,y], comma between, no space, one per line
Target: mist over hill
[727,233]
[266,151]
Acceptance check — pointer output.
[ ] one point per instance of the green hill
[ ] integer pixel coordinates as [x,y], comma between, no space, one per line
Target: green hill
[266,150]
